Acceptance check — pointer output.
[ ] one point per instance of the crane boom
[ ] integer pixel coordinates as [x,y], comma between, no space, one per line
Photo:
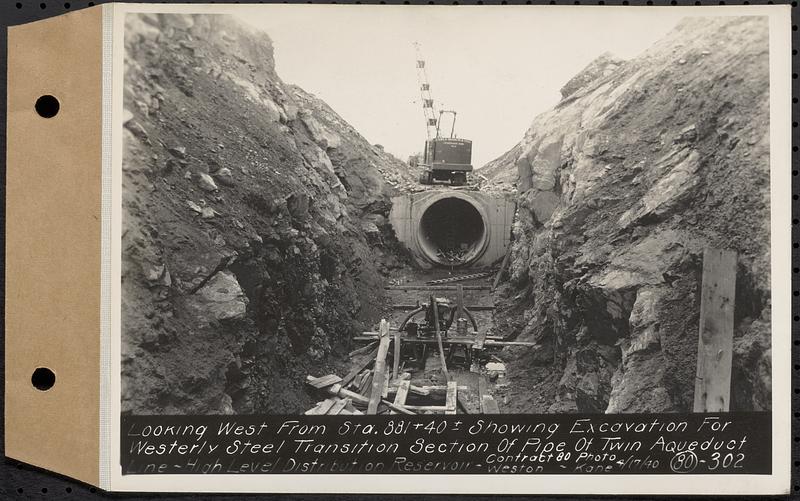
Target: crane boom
[428,105]
[445,159]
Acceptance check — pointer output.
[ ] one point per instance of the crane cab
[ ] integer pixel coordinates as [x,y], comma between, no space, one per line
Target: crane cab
[447,159]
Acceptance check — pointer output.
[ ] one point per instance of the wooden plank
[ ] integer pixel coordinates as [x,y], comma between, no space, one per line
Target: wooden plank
[440,387]
[339,391]
[402,394]
[452,398]
[385,391]
[715,344]
[396,362]
[403,409]
[322,382]
[488,403]
[417,390]
[490,342]
[480,340]
[379,372]
[314,410]
[366,383]
[435,307]
[468,397]
[326,405]
[337,407]
[362,364]
[363,349]
[433,408]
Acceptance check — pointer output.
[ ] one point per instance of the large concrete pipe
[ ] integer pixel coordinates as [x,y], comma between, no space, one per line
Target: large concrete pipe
[434,224]
[452,226]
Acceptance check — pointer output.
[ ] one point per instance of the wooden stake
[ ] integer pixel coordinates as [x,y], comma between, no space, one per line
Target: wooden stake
[338,406]
[712,387]
[452,397]
[487,402]
[379,371]
[402,394]
[435,307]
[396,364]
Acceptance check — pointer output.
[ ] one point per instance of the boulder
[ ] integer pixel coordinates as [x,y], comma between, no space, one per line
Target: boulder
[206,182]
[221,298]
[224,176]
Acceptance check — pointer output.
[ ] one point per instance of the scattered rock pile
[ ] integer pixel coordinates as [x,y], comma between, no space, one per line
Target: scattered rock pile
[642,165]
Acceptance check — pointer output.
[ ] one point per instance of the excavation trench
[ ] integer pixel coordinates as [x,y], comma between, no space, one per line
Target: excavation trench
[452,232]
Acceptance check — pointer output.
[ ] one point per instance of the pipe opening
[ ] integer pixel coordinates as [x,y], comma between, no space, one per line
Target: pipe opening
[452,232]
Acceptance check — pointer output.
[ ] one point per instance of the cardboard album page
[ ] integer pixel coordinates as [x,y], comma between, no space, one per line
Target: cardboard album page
[382,249]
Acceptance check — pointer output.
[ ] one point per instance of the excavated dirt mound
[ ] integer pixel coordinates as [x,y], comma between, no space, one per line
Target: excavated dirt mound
[255,234]
[640,167]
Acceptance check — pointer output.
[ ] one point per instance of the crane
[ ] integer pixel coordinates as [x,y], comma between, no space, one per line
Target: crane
[445,158]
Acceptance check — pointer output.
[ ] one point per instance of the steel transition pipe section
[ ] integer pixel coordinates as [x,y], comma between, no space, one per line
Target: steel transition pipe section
[438,225]
[452,231]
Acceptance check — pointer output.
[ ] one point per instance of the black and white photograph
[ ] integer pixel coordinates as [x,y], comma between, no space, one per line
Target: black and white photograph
[357,220]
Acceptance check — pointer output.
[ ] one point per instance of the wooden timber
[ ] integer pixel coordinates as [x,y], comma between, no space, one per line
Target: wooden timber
[712,387]
[480,340]
[488,403]
[322,407]
[434,305]
[451,401]
[402,394]
[396,363]
[468,397]
[322,382]
[365,362]
[428,408]
[339,391]
[363,349]
[338,406]
[379,372]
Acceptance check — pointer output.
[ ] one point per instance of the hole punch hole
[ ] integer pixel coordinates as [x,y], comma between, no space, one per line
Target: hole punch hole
[43,379]
[47,106]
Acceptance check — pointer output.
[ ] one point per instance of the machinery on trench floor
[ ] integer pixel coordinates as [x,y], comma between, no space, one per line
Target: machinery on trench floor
[437,327]
[438,317]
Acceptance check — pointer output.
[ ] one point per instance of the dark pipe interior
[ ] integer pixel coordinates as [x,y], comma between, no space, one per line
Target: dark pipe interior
[451,230]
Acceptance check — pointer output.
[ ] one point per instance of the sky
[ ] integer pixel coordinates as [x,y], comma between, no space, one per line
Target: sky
[498,67]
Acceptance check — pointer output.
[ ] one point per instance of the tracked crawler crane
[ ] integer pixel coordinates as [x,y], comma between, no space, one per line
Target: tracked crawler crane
[445,159]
